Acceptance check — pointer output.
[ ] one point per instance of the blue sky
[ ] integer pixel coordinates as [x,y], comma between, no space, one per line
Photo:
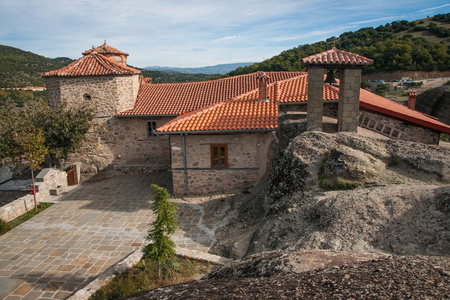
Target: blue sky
[193,33]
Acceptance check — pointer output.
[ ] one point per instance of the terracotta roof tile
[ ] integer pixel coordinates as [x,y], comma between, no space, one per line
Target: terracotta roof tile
[388,107]
[105,49]
[336,57]
[231,103]
[295,90]
[243,113]
[177,98]
[93,64]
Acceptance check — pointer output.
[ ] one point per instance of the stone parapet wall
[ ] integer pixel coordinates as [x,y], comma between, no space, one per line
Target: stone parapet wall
[46,180]
[248,158]
[330,108]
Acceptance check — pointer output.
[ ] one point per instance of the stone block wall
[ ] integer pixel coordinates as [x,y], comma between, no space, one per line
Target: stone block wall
[122,144]
[248,160]
[409,132]
[315,98]
[349,90]
[330,108]
[47,179]
[7,171]
[108,94]
[119,143]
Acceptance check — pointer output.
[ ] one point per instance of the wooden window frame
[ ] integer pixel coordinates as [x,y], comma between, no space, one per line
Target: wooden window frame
[150,128]
[225,147]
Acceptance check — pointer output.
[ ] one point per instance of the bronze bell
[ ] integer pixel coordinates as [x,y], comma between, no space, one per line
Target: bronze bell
[330,77]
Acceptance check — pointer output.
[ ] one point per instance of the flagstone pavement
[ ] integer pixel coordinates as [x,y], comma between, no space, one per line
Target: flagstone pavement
[84,233]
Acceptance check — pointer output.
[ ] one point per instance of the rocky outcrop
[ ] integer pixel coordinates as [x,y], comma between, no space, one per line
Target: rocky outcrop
[346,192]
[393,277]
[435,102]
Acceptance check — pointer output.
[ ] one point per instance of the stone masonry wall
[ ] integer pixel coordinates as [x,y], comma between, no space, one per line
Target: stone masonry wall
[409,132]
[248,158]
[123,144]
[46,180]
[119,143]
[109,94]
[349,91]
[315,98]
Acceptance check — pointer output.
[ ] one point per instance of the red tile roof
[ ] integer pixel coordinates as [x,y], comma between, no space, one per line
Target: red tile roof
[93,64]
[295,90]
[336,57]
[388,107]
[105,49]
[243,113]
[176,98]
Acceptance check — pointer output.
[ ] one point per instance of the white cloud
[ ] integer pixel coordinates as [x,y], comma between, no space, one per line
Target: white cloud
[188,32]
[434,8]
[373,20]
[228,38]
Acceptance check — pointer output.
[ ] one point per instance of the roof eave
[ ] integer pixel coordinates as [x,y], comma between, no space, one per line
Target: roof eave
[216,131]
[335,66]
[413,120]
[144,115]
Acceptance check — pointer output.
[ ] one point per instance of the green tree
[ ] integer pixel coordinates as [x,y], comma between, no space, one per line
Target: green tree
[161,247]
[381,89]
[63,129]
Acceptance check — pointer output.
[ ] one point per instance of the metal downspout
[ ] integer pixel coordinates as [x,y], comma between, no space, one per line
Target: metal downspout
[185,165]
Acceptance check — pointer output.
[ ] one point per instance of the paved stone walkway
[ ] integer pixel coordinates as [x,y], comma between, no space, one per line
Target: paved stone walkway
[67,246]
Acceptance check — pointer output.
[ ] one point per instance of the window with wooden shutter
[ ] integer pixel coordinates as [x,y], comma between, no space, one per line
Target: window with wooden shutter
[219,156]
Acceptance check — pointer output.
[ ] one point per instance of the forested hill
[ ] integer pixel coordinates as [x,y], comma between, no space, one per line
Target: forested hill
[421,45]
[20,68]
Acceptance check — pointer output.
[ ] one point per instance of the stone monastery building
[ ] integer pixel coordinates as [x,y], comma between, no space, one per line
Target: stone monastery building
[217,135]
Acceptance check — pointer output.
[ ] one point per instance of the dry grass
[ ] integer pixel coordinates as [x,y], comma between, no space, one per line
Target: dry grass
[144,276]
[430,37]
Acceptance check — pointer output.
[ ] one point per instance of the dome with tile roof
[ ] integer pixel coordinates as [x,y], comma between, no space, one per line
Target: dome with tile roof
[110,52]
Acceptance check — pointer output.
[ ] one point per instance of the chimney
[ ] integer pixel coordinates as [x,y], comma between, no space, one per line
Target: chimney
[263,81]
[412,100]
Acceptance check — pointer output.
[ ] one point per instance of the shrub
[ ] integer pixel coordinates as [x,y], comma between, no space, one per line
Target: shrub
[162,248]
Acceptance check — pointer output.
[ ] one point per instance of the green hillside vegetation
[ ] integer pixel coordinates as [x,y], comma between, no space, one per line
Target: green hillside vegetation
[174,77]
[394,46]
[22,97]
[21,68]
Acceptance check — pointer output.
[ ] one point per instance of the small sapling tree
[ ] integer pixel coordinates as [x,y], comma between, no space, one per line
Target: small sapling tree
[161,247]
[33,153]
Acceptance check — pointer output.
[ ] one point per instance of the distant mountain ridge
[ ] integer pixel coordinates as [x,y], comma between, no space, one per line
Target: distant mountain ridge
[210,70]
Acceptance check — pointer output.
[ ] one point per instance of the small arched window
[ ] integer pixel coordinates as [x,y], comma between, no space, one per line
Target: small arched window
[87,97]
